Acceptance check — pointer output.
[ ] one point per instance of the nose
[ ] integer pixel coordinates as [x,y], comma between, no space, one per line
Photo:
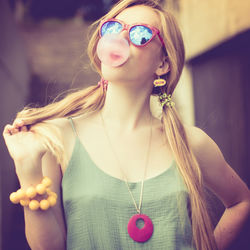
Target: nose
[124,34]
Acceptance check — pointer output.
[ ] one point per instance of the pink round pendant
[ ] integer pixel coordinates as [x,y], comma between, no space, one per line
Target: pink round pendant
[140,234]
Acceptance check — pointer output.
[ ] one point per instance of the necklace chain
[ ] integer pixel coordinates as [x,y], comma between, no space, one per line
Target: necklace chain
[138,208]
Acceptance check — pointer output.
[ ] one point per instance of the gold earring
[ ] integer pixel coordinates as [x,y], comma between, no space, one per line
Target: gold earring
[159,82]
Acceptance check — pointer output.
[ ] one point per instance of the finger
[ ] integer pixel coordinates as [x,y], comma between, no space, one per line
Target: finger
[7,130]
[24,129]
[14,130]
[18,123]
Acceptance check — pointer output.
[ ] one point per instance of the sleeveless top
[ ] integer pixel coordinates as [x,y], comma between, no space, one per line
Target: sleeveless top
[97,207]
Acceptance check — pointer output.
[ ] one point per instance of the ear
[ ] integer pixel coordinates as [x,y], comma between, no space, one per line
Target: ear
[163,67]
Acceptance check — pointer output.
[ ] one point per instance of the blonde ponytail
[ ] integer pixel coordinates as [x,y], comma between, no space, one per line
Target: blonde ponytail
[84,101]
[189,169]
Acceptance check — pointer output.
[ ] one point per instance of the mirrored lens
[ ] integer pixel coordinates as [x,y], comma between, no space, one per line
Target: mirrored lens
[111,27]
[140,34]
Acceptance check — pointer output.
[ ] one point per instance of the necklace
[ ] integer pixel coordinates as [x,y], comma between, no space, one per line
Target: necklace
[137,234]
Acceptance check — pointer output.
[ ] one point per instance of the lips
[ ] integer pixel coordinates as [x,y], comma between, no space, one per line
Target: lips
[113,50]
[115,57]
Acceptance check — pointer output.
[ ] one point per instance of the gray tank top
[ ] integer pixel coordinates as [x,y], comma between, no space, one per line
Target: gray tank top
[98,207]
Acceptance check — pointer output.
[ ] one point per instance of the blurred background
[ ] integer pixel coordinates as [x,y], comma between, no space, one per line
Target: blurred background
[43,53]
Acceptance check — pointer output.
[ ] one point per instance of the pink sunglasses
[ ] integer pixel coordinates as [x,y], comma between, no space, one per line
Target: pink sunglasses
[139,34]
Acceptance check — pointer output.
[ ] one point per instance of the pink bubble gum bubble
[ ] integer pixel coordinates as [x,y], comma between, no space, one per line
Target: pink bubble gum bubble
[113,50]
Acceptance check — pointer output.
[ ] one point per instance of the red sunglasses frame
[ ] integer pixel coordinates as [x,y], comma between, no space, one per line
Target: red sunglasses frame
[128,27]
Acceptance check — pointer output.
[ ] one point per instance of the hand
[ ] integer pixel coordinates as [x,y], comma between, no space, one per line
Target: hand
[25,147]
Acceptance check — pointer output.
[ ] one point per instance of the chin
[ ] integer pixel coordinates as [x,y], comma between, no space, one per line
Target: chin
[115,73]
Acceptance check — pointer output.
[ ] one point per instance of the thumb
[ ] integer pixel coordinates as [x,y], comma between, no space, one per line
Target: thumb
[7,131]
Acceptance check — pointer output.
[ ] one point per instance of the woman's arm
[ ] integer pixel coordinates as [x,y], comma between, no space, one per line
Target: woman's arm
[45,229]
[33,161]
[222,180]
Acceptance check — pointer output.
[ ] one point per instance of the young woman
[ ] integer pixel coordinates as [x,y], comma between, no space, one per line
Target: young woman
[124,179]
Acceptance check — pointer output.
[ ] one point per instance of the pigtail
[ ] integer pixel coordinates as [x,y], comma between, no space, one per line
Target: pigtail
[189,169]
[86,101]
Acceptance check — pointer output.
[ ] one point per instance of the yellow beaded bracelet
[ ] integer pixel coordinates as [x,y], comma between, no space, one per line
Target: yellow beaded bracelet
[26,198]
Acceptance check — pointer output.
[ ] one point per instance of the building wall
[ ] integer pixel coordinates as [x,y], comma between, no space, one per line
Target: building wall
[14,79]
[222,106]
[204,25]
[207,23]
[214,28]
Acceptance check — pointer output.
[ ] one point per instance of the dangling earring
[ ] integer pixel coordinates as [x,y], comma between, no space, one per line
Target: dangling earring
[103,83]
[159,82]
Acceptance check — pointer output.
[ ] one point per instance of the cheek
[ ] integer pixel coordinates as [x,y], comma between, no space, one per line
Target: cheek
[148,59]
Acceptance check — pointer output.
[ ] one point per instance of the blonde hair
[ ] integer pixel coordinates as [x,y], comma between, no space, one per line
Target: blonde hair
[92,99]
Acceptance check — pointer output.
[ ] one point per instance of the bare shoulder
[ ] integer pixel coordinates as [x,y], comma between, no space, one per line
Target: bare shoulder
[218,175]
[202,145]
[206,151]
[63,124]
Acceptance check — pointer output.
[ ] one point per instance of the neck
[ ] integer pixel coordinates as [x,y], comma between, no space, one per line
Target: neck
[127,107]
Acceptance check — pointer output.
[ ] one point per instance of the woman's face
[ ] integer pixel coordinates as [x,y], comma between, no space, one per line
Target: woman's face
[144,61]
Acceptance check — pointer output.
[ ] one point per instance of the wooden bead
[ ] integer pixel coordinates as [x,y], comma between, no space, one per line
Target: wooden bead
[34,205]
[46,181]
[52,200]
[41,189]
[14,198]
[51,193]
[25,202]
[54,194]
[21,194]
[31,192]
[44,204]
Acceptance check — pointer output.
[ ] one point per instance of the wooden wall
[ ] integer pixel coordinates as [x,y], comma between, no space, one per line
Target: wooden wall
[221,79]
